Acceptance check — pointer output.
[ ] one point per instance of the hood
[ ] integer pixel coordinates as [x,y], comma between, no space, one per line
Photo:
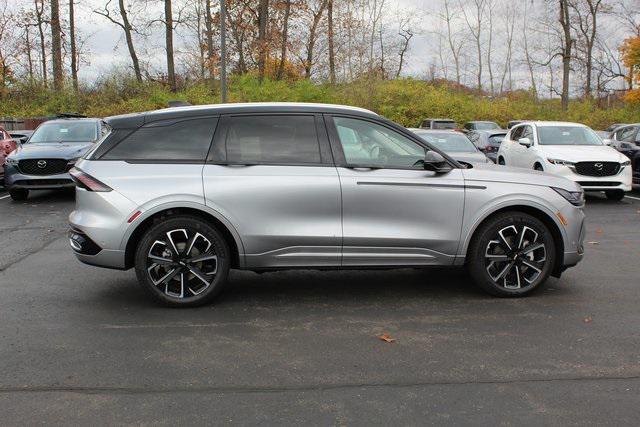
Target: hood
[476,157]
[582,153]
[51,150]
[491,172]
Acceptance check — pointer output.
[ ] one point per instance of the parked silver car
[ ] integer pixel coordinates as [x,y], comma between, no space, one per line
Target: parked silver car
[185,194]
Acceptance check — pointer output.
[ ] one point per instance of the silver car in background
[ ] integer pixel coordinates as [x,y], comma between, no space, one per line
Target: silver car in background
[186,194]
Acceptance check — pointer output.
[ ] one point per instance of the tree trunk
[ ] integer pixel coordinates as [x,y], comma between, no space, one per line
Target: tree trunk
[43,45]
[56,46]
[566,52]
[285,40]
[29,54]
[312,39]
[209,28]
[330,41]
[263,17]
[127,34]
[168,25]
[74,53]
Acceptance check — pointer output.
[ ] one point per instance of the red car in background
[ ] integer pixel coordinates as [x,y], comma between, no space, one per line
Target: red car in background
[7,145]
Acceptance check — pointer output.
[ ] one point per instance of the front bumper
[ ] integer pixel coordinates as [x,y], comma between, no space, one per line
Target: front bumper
[13,178]
[621,181]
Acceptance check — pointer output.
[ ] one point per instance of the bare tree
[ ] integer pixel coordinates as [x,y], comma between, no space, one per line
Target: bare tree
[209,30]
[567,43]
[56,46]
[509,26]
[74,52]
[168,31]
[456,44]
[263,18]
[128,29]
[285,39]
[586,23]
[41,22]
[311,41]
[475,25]
[406,34]
[330,41]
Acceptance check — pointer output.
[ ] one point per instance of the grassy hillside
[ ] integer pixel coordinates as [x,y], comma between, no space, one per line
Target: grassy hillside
[405,101]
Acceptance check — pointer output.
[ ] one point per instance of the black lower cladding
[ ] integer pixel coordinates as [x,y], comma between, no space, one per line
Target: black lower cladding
[42,182]
[43,166]
[83,244]
[599,183]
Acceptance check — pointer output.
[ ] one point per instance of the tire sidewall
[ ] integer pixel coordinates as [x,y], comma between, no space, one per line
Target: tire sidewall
[192,224]
[487,231]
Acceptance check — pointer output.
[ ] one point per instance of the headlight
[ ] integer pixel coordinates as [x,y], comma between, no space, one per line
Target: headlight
[576,198]
[561,162]
[625,163]
[11,161]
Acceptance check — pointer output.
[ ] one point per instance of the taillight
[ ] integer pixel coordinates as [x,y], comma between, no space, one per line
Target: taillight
[86,181]
[489,149]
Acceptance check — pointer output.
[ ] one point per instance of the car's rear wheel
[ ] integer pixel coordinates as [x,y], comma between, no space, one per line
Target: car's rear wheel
[511,254]
[614,194]
[500,161]
[19,194]
[538,167]
[182,261]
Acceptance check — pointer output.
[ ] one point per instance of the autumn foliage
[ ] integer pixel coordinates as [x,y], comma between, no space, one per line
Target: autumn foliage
[630,50]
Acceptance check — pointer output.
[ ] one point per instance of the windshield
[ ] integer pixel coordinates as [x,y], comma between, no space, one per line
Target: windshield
[442,124]
[567,135]
[449,142]
[71,131]
[486,126]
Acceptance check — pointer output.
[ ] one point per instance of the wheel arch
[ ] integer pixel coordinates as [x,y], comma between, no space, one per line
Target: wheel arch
[537,212]
[229,232]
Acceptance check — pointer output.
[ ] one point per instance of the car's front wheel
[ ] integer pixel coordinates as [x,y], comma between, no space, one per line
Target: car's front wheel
[182,261]
[19,194]
[614,194]
[511,254]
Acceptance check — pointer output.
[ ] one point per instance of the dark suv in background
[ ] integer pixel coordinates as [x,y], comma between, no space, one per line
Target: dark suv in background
[43,162]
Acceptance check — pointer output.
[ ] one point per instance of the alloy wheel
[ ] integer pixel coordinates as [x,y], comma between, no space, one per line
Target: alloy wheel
[515,258]
[182,264]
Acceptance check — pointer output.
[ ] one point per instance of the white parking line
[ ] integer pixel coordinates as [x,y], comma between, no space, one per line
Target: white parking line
[634,198]
[4,197]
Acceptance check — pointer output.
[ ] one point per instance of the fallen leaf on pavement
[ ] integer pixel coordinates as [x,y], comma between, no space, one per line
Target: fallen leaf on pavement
[593,243]
[587,319]
[598,230]
[386,338]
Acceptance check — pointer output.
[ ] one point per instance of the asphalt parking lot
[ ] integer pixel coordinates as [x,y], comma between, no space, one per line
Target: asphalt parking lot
[81,345]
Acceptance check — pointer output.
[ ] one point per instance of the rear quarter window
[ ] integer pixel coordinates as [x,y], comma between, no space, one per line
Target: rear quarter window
[181,141]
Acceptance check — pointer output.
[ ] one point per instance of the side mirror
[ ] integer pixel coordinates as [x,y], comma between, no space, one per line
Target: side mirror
[525,141]
[434,162]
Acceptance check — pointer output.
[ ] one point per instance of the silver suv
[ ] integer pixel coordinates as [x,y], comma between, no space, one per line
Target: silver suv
[186,194]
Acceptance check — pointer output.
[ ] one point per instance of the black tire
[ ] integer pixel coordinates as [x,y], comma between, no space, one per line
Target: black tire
[538,167]
[616,195]
[187,286]
[501,161]
[19,194]
[489,255]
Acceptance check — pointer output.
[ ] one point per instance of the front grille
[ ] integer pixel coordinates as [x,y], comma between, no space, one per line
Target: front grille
[35,182]
[43,166]
[599,183]
[597,168]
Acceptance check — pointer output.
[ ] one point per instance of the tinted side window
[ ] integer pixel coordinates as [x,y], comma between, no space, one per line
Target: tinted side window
[272,139]
[527,132]
[516,133]
[186,140]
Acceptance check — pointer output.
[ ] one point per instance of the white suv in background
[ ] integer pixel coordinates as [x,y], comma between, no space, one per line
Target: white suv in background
[570,150]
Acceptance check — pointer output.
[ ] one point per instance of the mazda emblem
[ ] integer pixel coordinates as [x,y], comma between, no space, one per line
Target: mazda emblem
[42,164]
[598,166]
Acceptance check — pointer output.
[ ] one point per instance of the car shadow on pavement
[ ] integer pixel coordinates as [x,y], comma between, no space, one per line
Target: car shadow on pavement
[312,288]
